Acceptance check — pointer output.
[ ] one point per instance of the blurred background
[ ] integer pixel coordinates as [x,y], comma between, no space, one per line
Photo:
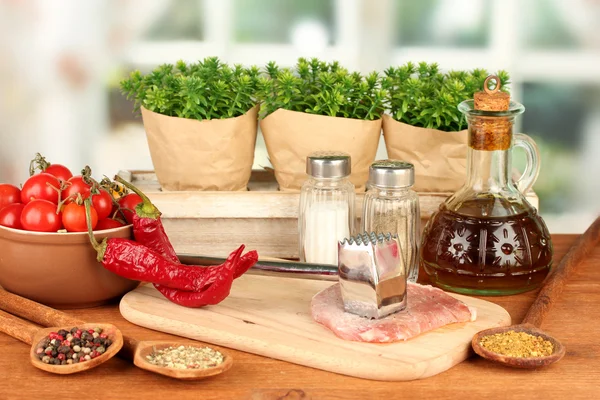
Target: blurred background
[61,62]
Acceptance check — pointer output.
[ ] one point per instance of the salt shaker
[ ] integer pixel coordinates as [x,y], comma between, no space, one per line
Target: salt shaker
[391,206]
[326,214]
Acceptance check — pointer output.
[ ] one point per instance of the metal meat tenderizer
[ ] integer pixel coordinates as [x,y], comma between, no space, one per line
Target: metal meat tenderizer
[372,275]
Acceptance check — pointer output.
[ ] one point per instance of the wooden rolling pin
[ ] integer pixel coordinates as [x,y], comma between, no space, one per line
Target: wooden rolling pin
[555,283]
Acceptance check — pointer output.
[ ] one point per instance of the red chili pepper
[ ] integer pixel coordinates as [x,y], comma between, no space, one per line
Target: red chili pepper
[218,275]
[222,277]
[149,231]
[218,284]
[211,274]
[147,226]
[246,262]
[219,290]
[135,261]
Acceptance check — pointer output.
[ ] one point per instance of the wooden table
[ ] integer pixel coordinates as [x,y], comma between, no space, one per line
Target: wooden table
[575,321]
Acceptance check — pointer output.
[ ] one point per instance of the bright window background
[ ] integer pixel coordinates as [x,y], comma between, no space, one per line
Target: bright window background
[61,61]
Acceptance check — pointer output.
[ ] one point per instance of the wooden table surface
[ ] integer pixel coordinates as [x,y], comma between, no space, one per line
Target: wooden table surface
[574,321]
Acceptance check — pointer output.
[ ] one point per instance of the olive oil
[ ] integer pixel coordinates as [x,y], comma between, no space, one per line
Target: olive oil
[469,253]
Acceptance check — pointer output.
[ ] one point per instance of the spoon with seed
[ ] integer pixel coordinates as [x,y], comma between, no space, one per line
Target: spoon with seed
[549,293]
[34,335]
[147,347]
[132,349]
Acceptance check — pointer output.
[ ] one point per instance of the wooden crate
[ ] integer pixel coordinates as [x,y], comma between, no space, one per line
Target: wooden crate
[262,218]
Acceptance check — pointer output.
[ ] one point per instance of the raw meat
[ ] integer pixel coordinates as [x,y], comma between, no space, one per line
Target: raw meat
[428,308]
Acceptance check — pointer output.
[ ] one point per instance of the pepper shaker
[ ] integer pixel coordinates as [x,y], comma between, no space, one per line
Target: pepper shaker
[391,206]
[326,214]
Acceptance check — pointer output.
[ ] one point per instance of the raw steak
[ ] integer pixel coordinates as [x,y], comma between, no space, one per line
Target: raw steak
[428,308]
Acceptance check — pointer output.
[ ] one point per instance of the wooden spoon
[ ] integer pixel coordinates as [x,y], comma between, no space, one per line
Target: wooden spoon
[132,350]
[547,296]
[148,347]
[33,335]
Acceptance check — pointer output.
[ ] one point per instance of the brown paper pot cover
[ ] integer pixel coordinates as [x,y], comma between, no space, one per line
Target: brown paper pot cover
[440,158]
[59,269]
[188,154]
[290,136]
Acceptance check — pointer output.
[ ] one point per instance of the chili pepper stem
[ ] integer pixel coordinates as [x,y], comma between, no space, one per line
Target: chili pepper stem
[145,209]
[99,247]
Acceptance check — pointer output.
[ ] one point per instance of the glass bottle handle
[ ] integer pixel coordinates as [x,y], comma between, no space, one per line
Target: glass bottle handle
[532,169]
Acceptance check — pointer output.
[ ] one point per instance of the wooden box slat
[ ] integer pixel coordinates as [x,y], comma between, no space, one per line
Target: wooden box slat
[262,218]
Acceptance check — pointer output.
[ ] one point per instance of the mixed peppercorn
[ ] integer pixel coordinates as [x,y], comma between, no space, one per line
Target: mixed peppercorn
[74,346]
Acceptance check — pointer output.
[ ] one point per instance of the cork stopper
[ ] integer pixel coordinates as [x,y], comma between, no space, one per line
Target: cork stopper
[490,133]
[491,99]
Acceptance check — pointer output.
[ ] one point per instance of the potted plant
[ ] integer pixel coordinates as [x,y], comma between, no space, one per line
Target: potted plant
[200,121]
[319,106]
[424,126]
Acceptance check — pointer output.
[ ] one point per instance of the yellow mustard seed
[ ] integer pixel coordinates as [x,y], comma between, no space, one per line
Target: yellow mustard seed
[517,344]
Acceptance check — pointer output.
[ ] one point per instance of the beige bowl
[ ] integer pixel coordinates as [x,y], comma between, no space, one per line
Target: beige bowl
[59,269]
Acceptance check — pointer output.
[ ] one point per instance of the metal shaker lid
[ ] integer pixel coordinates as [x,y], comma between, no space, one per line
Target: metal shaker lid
[328,164]
[391,173]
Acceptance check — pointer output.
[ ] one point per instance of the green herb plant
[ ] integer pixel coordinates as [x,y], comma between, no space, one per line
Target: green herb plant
[317,87]
[209,89]
[425,97]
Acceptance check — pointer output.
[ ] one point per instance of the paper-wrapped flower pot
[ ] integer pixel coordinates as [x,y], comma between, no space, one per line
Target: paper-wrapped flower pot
[440,158]
[290,136]
[188,154]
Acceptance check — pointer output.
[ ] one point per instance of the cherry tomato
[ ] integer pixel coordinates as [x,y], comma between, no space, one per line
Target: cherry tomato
[60,171]
[41,186]
[76,185]
[103,204]
[10,216]
[9,194]
[73,218]
[40,216]
[108,223]
[128,204]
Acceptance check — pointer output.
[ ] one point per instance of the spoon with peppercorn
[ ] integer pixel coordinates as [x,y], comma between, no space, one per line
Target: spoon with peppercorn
[62,351]
[525,345]
[152,356]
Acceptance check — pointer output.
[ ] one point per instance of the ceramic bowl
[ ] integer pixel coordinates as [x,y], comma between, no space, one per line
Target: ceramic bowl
[59,269]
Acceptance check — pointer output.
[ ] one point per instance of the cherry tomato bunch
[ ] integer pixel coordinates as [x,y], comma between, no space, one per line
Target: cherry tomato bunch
[51,200]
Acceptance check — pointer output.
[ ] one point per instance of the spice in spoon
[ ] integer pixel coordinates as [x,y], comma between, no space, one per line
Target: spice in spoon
[517,344]
[73,346]
[186,357]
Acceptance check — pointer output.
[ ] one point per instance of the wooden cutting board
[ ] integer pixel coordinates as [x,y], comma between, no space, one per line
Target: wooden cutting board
[270,316]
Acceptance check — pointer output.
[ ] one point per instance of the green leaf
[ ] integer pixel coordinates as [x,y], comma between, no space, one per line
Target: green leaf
[318,87]
[417,94]
[423,96]
[203,90]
